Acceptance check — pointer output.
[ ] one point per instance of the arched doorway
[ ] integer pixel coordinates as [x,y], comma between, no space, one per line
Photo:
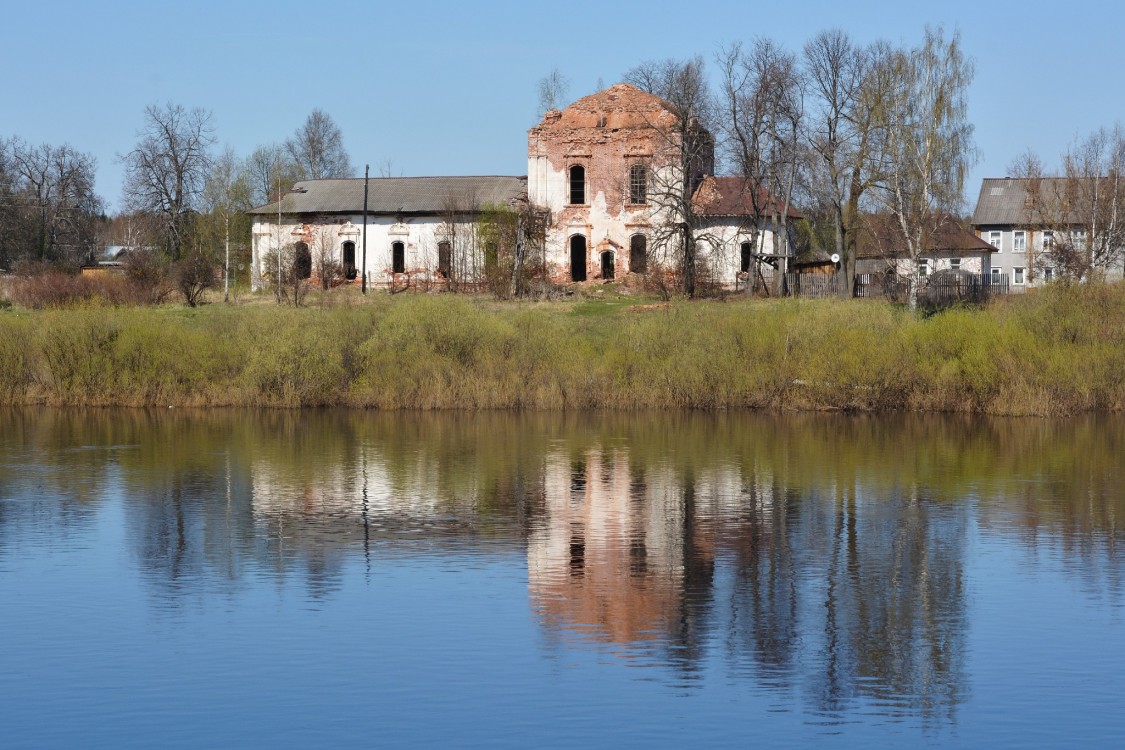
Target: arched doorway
[607,264]
[578,258]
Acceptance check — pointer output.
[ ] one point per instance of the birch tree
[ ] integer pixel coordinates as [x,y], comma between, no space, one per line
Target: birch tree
[927,149]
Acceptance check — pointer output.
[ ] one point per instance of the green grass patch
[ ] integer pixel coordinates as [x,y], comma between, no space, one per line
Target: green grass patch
[1056,351]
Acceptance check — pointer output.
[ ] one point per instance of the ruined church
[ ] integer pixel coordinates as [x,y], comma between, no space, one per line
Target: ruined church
[606,173]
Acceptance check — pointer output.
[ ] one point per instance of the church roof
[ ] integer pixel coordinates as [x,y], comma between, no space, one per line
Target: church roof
[398,195]
[620,106]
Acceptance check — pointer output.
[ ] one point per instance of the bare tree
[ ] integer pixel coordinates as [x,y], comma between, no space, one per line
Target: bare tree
[849,88]
[927,148]
[265,170]
[326,264]
[1094,200]
[553,90]
[49,194]
[318,148]
[226,198]
[166,171]
[763,112]
[686,155]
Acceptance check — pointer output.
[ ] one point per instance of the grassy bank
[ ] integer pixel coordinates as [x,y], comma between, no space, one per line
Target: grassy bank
[1056,351]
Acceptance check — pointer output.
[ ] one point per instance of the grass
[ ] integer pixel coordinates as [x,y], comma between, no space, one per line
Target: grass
[1059,350]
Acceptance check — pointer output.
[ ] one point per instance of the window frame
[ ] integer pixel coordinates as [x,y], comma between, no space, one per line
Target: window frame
[1019,276]
[1019,241]
[638,175]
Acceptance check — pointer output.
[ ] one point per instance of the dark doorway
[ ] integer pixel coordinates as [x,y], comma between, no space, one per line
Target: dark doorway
[607,264]
[746,256]
[578,258]
[302,261]
[349,260]
[398,257]
[444,259]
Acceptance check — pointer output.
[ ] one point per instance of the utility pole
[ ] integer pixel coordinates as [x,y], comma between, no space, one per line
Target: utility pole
[226,266]
[366,178]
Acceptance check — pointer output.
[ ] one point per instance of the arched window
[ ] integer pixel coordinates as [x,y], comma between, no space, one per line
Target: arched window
[398,257]
[578,258]
[638,253]
[578,185]
[747,254]
[638,184]
[302,261]
[444,259]
[349,260]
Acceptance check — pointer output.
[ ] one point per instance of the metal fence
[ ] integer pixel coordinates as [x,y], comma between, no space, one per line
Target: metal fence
[939,290]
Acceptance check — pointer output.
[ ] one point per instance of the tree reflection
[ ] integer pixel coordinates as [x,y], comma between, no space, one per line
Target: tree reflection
[818,556]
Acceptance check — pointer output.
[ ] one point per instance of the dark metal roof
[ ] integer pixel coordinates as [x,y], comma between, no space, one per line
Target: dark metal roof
[881,236]
[399,195]
[732,196]
[1022,201]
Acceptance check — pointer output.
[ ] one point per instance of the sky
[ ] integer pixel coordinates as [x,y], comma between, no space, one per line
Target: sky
[450,88]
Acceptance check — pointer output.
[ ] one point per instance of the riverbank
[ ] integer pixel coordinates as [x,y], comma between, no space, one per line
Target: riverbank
[1059,350]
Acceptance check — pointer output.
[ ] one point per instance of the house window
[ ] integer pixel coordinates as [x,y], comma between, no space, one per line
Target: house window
[747,254]
[994,239]
[1019,242]
[638,184]
[577,185]
[444,259]
[923,268]
[1017,276]
[997,274]
[398,257]
[638,253]
[1048,275]
[1048,241]
[955,264]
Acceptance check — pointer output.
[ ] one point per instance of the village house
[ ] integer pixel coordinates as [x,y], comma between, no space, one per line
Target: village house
[601,170]
[1036,223]
[881,248]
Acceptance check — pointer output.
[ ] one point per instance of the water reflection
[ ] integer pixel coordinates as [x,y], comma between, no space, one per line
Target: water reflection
[822,557]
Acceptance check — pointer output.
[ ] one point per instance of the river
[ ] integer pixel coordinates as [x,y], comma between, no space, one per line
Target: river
[322,578]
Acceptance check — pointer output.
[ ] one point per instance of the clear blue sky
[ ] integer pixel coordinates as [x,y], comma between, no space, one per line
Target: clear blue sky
[450,88]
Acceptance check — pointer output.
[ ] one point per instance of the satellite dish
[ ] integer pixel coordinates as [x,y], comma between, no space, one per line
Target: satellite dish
[835,257]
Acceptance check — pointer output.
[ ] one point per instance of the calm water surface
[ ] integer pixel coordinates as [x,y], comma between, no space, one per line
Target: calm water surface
[323,579]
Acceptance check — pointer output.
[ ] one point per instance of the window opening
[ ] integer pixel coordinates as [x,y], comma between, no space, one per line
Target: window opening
[349,260]
[398,257]
[638,184]
[444,259]
[577,185]
[638,253]
[302,261]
